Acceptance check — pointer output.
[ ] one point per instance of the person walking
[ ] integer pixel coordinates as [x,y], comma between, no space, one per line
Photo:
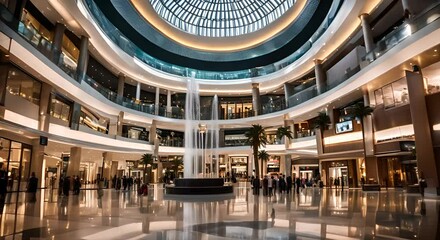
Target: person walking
[265,186]
[66,186]
[270,186]
[32,188]
[3,189]
[298,183]
[124,182]
[288,184]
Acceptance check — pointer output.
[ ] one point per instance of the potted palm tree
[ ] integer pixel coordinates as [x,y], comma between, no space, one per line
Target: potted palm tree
[256,137]
[360,111]
[264,157]
[284,132]
[148,161]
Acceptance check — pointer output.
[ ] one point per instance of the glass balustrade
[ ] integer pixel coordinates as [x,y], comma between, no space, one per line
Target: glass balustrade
[131,49]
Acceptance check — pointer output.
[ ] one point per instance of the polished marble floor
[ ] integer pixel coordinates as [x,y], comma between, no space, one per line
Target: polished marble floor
[312,214]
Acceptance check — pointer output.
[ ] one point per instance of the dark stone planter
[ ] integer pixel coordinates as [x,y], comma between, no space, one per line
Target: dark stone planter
[198,186]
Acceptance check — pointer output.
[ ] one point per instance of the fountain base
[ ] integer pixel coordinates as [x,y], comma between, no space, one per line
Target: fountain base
[198,186]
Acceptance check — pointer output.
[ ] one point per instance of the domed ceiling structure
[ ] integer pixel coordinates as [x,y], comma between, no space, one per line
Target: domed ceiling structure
[221,18]
[217,36]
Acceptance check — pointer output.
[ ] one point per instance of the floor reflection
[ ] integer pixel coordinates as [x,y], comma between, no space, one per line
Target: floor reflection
[312,214]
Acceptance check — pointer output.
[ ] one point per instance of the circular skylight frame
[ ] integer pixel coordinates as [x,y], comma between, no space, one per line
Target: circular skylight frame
[221,18]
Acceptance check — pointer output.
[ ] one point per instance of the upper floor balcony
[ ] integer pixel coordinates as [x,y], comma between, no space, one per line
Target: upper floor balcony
[299,95]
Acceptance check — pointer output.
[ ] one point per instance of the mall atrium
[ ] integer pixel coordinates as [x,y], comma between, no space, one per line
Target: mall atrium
[317,119]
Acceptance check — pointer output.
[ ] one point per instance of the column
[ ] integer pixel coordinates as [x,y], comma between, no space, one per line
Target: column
[43,117]
[138,92]
[426,161]
[74,161]
[156,101]
[368,128]
[256,105]
[76,114]
[288,164]
[119,124]
[121,83]
[321,76]
[283,161]
[366,30]
[152,135]
[106,164]
[37,165]
[115,126]
[169,109]
[83,59]
[57,43]
[287,93]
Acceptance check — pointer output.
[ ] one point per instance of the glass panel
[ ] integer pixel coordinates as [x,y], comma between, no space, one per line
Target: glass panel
[14,167]
[25,168]
[378,97]
[433,84]
[4,153]
[59,109]
[388,98]
[21,84]
[400,92]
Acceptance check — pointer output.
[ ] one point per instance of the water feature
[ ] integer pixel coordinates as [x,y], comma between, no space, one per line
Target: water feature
[201,136]
[200,159]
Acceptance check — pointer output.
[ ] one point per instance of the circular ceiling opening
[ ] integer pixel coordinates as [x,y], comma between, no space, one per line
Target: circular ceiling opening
[221,18]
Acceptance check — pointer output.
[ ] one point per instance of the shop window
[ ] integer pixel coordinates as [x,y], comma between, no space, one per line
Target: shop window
[21,84]
[392,95]
[135,133]
[378,97]
[93,122]
[388,98]
[433,84]
[60,109]
[400,92]
[4,153]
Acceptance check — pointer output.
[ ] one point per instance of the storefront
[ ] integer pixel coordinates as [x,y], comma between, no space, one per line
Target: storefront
[239,166]
[15,161]
[273,165]
[343,170]
[397,163]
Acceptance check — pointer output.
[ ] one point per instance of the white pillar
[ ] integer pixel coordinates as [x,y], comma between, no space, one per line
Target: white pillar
[138,91]
[368,34]
[156,101]
[321,77]
[169,101]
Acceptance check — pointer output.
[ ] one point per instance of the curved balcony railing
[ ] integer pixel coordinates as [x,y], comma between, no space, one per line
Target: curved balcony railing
[300,95]
[131,49]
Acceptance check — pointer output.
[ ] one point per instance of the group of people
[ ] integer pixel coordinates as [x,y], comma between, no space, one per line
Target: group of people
[67,183]
[125,182]
[270,184]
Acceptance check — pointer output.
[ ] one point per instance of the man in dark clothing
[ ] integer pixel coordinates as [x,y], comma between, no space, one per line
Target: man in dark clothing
[298,183]
[3,189]
[124,182]
[289,184]
[66,186]
[32,188]
[265,186]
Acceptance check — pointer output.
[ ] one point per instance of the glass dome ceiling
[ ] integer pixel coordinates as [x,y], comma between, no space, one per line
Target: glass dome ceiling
[221,18]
